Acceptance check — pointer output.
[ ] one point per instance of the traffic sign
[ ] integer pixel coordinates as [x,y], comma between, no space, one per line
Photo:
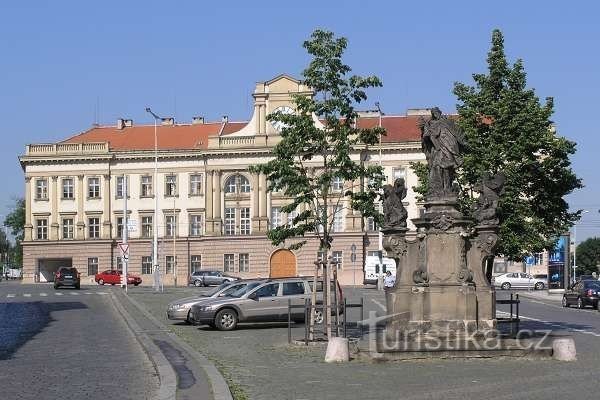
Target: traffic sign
[124,247]
[131,225]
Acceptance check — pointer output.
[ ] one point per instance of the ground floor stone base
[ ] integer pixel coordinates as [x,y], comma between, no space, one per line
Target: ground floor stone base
[42,258]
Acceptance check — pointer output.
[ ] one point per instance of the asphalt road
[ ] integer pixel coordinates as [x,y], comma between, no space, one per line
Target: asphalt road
[68,344]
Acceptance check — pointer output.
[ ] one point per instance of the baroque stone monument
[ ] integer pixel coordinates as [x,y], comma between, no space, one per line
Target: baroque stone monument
[442,293]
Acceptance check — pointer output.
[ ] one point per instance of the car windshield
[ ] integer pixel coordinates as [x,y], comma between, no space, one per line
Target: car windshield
[592,285]
[217,289]
[242,290]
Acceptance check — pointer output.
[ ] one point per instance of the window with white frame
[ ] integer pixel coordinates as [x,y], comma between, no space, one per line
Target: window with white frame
[119,263]
[228,262]
[237,184]
[146,186]
[244,184]
[147,230]
[171,185]
[41,227]
[41,189]
[170,225]
[337,184]
[120,187]
[94,187]
[120,227]
[195,185]
[170,263]
[92,266]
[195,263]
[399,173]
[291,216]
[229,221]
[371,225]
[68,188]
[245,225]
[94,227]
[67,228]
[195,224]
[244,262]
[338,220]
[146,265]
[336,258]
[276,217]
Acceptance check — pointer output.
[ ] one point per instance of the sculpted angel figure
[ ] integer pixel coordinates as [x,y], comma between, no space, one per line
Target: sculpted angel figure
[394,213]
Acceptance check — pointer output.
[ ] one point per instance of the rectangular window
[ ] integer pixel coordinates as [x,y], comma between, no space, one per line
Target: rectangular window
[229,222]
[94,188]
[195,263]
[244,262]
[371,225]
[67,228]
[120,227]
[147,230]
[146,265]
[94,228]
[119,263]
[146,186]
[41,226]
[68,188]
[336,258]
[291,216]
[399,173]
[499,268]
[170,185]
[337,184]
[275,217]
[245,221]
[169,264]
[41,189]
[374,253]
[170,225]
[228,262]
[195,225]
[120,187]
[293,288]
[195,185]
[92,266]
[338,220]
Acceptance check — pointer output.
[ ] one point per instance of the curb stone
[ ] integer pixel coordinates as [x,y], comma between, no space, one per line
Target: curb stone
[168,381]
[218,384]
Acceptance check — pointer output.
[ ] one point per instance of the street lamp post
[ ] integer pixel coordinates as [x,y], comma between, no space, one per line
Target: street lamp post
[575,246]
[155,264]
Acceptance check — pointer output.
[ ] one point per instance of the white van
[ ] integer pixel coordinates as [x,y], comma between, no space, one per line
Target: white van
[375,266]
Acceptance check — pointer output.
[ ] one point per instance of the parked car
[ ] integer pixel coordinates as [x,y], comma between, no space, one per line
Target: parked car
[582,293]
[267,302]
[113,277]
[67,276]
[586,278]
[210,277]
[518,280]
[180,309]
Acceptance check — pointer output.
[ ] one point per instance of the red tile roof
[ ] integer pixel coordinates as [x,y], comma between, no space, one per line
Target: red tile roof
[186,137]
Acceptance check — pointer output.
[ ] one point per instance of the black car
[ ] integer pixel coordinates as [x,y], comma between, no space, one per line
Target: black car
[67,276]
[582,293]
[210,277]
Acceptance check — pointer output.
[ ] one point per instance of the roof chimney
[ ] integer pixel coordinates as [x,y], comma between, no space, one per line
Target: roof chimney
[168,121]
[124,123]
[411,112]
[197,120]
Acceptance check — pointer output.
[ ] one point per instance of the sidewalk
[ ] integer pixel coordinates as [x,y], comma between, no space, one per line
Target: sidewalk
[540,295]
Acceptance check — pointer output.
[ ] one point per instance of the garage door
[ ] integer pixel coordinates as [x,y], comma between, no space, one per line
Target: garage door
[283,264]
[48,267]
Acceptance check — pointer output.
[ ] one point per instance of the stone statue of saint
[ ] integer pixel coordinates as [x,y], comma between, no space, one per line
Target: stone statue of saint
[394,213]
[442,142]
[490,189]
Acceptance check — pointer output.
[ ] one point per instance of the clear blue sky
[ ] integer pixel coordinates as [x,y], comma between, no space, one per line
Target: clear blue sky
[185,58]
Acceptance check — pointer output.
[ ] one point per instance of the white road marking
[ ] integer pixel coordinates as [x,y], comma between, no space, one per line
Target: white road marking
[88,293]
[27,294]
[11,295]
[102,293]
[58,294]
[74,294]
[379,304]
[555,325]
[43,294]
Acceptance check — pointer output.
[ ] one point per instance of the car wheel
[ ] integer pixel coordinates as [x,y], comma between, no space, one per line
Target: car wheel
[197,283]
[539,286]
[78,287]
[100,281]
[318,317]
[112,284]
[55,286]
[226,320]
[580,303]
[565,303]
[505,286]
[136,284]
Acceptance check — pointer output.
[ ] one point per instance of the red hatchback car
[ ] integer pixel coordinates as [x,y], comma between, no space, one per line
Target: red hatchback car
[113,277]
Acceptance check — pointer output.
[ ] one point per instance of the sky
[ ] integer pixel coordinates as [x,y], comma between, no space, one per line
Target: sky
[67,64]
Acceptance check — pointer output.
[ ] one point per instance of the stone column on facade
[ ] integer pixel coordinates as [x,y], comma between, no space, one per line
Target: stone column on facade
[106,224]
[262,201]
[80,234]
[208,203]
[255,204]
[263,119]
[217,202]
[54,199]
[28,228]
[256,118]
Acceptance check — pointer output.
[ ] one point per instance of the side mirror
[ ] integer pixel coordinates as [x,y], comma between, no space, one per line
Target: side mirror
[253,296]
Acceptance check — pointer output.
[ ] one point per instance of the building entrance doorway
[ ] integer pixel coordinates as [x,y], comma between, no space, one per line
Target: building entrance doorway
[48,267]
[283,264]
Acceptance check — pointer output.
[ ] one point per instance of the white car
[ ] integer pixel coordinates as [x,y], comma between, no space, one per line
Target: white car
[518,280]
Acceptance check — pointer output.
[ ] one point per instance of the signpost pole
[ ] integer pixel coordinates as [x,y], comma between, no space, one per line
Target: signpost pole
[125,254]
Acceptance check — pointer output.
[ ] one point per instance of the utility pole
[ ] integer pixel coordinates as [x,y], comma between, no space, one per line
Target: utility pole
[175,227]
[125,255]
[155,264]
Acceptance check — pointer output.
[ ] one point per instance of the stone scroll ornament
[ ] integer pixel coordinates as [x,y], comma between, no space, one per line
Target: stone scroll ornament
[442,142]
[490,189]
[394,213]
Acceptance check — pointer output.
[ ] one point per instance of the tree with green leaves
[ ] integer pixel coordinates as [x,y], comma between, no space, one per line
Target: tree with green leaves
[588,256]
[15,220]
[508,129]
[313,158]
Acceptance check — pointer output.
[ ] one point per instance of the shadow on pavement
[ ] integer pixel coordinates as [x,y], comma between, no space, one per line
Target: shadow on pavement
[20,322]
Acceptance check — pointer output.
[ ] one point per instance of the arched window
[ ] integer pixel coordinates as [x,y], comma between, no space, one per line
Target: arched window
[237,184]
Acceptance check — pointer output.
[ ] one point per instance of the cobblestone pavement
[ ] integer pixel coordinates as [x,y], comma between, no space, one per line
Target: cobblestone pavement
[68,344]
[260,364]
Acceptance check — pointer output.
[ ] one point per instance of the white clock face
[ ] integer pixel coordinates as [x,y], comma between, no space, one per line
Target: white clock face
[278,125]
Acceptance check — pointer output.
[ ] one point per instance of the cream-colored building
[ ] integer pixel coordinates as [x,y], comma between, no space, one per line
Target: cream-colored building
[212,213]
